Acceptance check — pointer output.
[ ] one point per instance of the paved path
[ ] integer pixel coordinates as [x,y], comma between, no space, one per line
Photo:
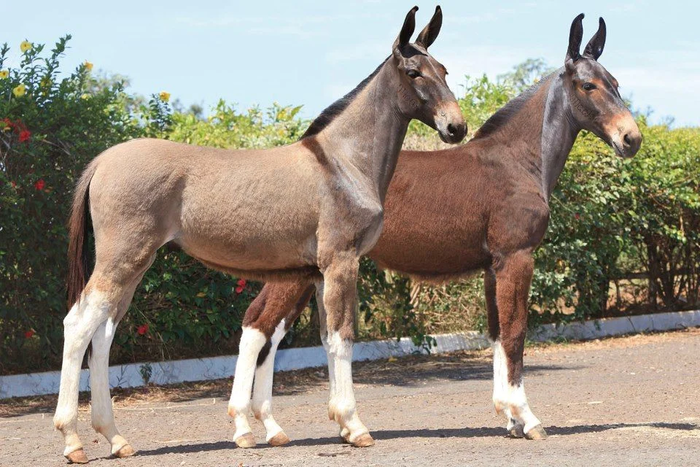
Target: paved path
[628,401]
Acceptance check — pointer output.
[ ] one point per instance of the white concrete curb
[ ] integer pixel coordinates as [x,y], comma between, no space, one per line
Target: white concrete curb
[202,369]
[588,330]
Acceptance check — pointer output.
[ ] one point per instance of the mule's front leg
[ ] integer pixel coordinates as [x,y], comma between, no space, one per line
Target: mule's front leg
[339,295]
[512,285]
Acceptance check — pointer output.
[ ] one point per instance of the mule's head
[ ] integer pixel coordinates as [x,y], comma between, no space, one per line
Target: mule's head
[593,93]
[423,93]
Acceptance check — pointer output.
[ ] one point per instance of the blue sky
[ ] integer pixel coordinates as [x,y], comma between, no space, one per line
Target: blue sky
[311,53]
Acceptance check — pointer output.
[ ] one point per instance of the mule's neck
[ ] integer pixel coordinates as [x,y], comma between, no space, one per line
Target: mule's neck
[366,138]
[539,131]
[559,131]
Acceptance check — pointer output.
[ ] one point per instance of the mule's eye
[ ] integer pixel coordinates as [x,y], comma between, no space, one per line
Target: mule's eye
[413,73]
[588,86]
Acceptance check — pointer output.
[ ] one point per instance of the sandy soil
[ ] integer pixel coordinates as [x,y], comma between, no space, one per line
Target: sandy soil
[624,401]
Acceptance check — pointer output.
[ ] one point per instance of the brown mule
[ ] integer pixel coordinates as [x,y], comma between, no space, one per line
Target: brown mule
[483,205]
[309,210]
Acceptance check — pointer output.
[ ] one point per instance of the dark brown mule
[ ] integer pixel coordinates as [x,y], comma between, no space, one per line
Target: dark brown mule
[483,205]
[308,210]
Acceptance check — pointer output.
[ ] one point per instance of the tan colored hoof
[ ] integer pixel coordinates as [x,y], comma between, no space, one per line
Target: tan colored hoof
[516,431]
[246,441]
[77,457]
[125,451]
[536,433]
[280,439]
[363,441]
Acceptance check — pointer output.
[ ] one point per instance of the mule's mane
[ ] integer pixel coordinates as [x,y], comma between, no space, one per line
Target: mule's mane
[505,113]
[336,108]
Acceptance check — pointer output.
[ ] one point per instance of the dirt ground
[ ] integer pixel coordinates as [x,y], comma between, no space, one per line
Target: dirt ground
[624,401]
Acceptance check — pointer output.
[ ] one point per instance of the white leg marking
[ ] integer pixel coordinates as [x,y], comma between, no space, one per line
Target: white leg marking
[342,406]
[78,328]
[509,398]
[324,337]
[262,392]
[252,341]
[101,402]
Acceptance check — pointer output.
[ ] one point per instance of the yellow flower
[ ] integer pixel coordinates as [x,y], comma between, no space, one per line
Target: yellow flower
[85,96]
[88,65]
[165,96]
[4,74]
[20,90]
[24,46]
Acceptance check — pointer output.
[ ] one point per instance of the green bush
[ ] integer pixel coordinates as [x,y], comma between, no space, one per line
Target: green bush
[51,128]
[610,218]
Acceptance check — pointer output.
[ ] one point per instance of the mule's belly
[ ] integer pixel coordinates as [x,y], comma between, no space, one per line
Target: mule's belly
[427,259]
[245,235]
[241,251]
[431,245]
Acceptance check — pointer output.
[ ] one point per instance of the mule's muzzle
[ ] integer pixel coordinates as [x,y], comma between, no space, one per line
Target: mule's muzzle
[451,126]
[627,143]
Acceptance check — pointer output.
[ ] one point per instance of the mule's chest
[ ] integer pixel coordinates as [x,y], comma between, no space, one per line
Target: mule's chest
[352,217]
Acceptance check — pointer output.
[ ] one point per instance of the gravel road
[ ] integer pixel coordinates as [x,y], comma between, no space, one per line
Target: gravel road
[624,401]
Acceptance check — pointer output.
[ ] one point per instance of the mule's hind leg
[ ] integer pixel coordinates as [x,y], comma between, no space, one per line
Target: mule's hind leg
[101,403]
[252,341]
[264,374]
[97,305]
[263,328]
[512,285]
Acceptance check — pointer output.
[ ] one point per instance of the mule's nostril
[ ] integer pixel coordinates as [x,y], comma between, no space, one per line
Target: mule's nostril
[451,129]
[628,141]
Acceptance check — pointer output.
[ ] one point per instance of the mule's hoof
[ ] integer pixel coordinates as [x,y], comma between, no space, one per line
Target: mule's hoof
[363,441]
[125,451]
[77,457]
[345,435]
[516,431]
[536,433]
[280,439]
[246,441]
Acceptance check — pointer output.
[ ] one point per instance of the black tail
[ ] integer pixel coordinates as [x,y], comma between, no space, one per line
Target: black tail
[79,228]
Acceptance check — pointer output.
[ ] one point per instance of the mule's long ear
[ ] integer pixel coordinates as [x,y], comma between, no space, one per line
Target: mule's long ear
[575,38]
[597,42]
[409,25]
[428,35]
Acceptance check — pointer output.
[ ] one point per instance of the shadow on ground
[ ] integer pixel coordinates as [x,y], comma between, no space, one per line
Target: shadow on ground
[468,432]
[410,371]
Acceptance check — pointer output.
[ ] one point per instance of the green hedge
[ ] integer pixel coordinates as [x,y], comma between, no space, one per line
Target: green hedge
[610,218]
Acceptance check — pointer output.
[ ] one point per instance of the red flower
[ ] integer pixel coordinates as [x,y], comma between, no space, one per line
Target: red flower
[24,135]
[29,334]
[241,282]
[577,216]
[8,122]
[14,185]
[239,289]
[143,329]
[40,184]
